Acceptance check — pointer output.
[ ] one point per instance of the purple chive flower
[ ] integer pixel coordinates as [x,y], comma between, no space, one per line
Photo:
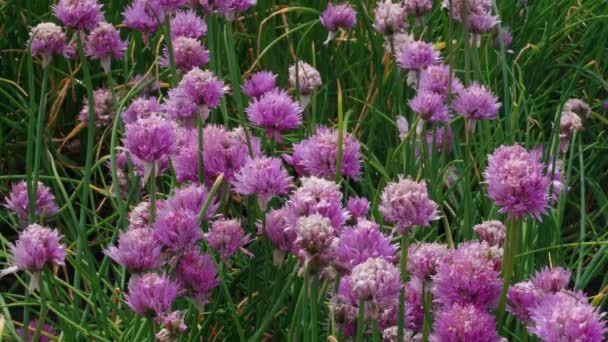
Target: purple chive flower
[464,322]
[187,53]
[144,16]
[78,14]
[170,6]
[275,111]
[198,275]
[17,201]
[104,108]
[430,107]
[139,217]
[140,108]
[566,316]
[578,106]
[389,18]
[227,237]
[307,79]
[279,232]
[188,24]
[151,138]
[466,279]
[393,43]
[482,252]
[516,181]
[505,34]
[151,294]
[391,334]
[551,280]
[569,122]
[179,231]
[230,8]
[492,232]
[414,303]
[521,299]
[45,331]
[181,108]
[338,16]
[46,40]
[203,87]
[418,8]
[440,137]
[264,177]
[172,326]
[407,204]
[317,155]
[403,127]
[417,56]
[476,102]
[481,23]
[358,207]
[360,243]
[104,43]
[191,198]
[259,84]
[137,250]
[435,79]
[315,237]
[317,196]
[375,280]
[424,259]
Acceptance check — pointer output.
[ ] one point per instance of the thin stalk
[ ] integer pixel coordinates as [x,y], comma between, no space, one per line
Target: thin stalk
[376,337]
[295,318]
[199,127]
[26,315]
[340,136]
[361,320]
[314,310]
[231,307]
[427,300]
[210,197]
[169,39]
[405,241]
[507,265]
[31,195]
[41,318]
[152,185]
[39,128]
[581,255]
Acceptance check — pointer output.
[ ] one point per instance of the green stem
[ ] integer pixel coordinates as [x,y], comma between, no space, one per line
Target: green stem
[152,184]
[405,241]
[174,77]
[41,318]
[210,197]
[199,127]
[314,324]
[296,315]
[340,136]
[581,254]
[427,300]
[361,320]
[231,307]
[508,264]
[31,195]
[39,128]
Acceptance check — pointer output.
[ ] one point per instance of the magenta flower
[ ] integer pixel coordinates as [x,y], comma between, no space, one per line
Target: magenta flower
[305,78]
[144,16]
[170,6]
[424,259]
[492,232]
[45,331]
[389,18]
[314,241]
[551,280]
[435,79]
[414,302]
[403,127]
[481,251]
[417,56]
[179,231]
[104,108]
[172,326]
[227,237]
[46,40]
[275,111]
[505,34]
[17,201]
[358,207]
[264,177]
[476,102]
[137,250]
[338,16]
[151,138]
[78,14]
[259,84]
[517,182]
[521,299]
[360,243]
[188,53]
[430,107]
[181,108]
[139,217]
[279,232]
[569,122]
[481,23]
[104,43]
[151,294]
[203,88]
[191,198]
[188,24]
[230,8]
[375,280]
[317,155]
[566,316]
[407,204]
[464,322]
[198,275]
[140,108]
[418,8]
[394,42]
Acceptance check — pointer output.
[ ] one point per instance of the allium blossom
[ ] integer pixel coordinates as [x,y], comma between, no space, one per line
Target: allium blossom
[403,127]
[137,250]
[569,122]
[227,237]
[264,177]
[360,243]
[103,108]
[314,241]
[228,8]
[150,139]
[139,217]
[140,108]
[188,24]
[46,40]
[358,207]
[78,14]
[198,275]
[144,16]
[317,155]
[259,84]
[476,102]
[151,294]
[280,233]
[203,88]
[406,203]
[375,280]
[566,316]
[338,16]
[521,299]
[417,56]
[169,6]
[517,181]
[45,331]
[436,78]
[551,280]
[578,106]
[17,201]
[418,8]
[389,18]
[493,232]
[181,108]
[424,259]
[430,107]
[505,34]
[188,53]
[172,326]
[464,322]
[104,43]
[275,111]
[305,78]
[191,198]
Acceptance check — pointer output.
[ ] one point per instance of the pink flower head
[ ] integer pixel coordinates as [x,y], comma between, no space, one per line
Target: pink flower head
[137,250]
[79,14]
[226,237]
[151,138]
[424,259]
[198,275]
[481,251]
[315,237]
[578,106]
[435,79]
[375,280]
[358,207]
[264,177]
[203,87]
[492,232]
[517,182]
[360,243]
[188,24]
[144,16]
[169,6]
[305,77]
[481,23]
[139,217]
[46,40]
[417,56]
[36,248]
[476,102]
[172,326]
[259,84]
[275,111]
[188,53]
[389,17]
[566,316]
[151,294]
[430,106]
[407,204]
[464,322]
[17,201]
[338,16]
[551,280]
[104,43]
[141,107]
[179,231]
[182,108]
[191,198]
[230,8]
[45,331]
[104,108]
[317,155]
[279,232]
[522,298]
[505,34]
[418,8]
